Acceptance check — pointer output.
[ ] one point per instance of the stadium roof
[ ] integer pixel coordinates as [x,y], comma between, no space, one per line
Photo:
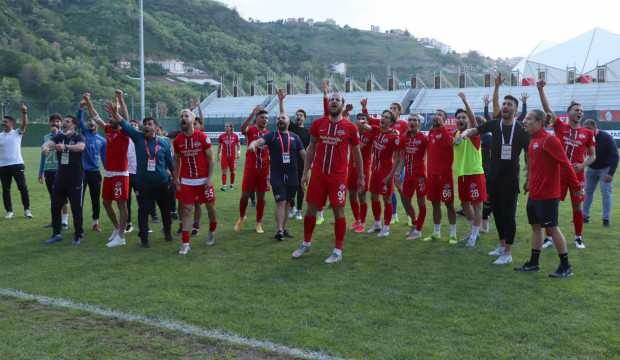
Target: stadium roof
[584,52]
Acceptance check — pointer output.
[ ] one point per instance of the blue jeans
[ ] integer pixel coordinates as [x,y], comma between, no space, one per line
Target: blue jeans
[593,178]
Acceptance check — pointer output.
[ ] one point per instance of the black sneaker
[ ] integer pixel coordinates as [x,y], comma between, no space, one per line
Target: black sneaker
[460,212]
[174,215]
[562,272]
[586,219]
[145,245]
[287,234]
[605,223]
[168,237]
[223,188]
[195,231]
[279,235]
[528,267]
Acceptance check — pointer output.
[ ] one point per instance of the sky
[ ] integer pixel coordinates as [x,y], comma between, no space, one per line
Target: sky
[464,25]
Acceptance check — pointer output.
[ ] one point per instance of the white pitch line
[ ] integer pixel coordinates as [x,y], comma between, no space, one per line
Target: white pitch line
[170,325]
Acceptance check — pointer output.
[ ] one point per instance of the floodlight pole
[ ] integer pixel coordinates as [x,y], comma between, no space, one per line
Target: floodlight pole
[142,100]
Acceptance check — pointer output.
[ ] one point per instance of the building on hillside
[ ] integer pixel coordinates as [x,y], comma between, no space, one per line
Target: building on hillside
[435,44]
[174,67]
[375,28]
[124,64]
[593,56]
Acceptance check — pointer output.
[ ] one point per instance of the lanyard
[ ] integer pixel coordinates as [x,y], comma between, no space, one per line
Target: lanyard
[512,132]
[146,146]
[288,151]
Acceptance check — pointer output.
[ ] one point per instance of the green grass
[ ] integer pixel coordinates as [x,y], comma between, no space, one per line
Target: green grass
[388,299]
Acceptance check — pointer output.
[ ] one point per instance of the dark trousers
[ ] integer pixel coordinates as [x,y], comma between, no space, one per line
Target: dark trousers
[300,189]
[148,196]
[50,177]
[64,189]
[7,174]
[504,206]
[92,179]
[132,186]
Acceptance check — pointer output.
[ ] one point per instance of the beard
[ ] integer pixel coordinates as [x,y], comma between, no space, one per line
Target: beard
[282,126]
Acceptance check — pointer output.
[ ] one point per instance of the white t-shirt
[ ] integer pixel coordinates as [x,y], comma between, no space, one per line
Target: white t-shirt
[131,158]
[11,147]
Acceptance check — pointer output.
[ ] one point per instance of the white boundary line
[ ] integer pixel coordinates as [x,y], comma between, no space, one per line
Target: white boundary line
[169,325]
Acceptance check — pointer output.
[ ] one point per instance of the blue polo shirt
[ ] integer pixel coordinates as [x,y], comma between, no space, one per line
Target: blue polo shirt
[278,143]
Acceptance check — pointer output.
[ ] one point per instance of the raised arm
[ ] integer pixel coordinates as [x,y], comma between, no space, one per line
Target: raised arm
[24,124]
[122,106]
[251,117]
[471,117]
[281,97]
[499,80]
[325,89]
[524,98]
[486,102]
[196,105]
[91,110]
[545,102]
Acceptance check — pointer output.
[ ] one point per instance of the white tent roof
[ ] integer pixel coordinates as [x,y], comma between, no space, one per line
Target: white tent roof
[585,52]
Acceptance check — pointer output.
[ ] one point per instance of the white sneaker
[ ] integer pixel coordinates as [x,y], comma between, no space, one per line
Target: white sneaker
[114,234]
[28,214]
[291,213]
[117,241]
[579,244]
[300,251]
[499,251]
[9,215]
[299,215]
[376,227]
[184,250]
[210,239]
[547,243]
[503,260]
[334,257]
[385,232]
[471,242]
[414,234]
[484,228]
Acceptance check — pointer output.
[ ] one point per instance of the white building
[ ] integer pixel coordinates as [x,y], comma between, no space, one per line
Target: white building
[171,66]
[595,54]
[375,28]
[435,44]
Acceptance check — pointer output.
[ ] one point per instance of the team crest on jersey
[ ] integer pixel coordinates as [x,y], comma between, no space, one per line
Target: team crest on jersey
[384,140]
[535,146]
[582,136]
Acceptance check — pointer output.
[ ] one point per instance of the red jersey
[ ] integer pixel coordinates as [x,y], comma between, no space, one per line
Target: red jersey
[402,126]
[331,154]
[194,163]
[260,158]
[575,141]
[546,162]
[228,143]
[366,139]
[414,150]
[117,142]
[383,149]
[440,154]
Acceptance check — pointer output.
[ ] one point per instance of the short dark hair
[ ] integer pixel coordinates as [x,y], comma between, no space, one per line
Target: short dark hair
[55,116]
[199,120]
[458,111]
[513,99]
[261,112]
[134,121]
[361,115]
[391,114]
[399,106]
[590,122]
[149,118]
[540,116]
[10,118]
[74,120]
[572,103]
[445,114]
[303,112]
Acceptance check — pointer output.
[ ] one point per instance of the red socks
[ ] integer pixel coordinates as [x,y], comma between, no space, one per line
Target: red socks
[578,222]
[185,237]
[340,227]
[243,206]
[387,214]
[223,179]
[260,209]
[363,212]
[421,217]
[212,226]
[309,224]
[355,208]
[376,210]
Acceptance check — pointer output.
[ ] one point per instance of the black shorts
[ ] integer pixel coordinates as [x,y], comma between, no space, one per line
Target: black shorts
[284,192]
[543,212]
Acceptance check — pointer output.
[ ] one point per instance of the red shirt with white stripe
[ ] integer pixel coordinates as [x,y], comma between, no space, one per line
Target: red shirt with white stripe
[413,147]
[383,148]
[333,140]
[260,158]
[228,142]
[117,142]
[402,126]
[575,141]
[366,139]
[546,162]
[192,152]
[439,152]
